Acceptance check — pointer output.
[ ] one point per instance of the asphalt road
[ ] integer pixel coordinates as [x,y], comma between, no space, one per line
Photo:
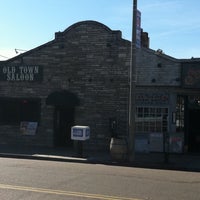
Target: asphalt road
[49,180]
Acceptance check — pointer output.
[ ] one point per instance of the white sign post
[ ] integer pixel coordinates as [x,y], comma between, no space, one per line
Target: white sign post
[80,134]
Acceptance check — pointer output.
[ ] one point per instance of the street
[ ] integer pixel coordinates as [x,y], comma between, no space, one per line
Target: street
[49,180]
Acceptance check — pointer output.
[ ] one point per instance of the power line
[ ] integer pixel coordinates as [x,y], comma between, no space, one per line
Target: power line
[3,56]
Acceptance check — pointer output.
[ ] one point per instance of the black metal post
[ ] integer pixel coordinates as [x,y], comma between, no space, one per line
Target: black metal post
[166,147]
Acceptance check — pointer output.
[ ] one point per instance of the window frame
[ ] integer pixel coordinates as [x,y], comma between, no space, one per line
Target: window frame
[152,119]
[15,110]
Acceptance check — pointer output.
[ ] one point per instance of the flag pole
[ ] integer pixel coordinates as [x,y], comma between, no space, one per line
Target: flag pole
[131,142]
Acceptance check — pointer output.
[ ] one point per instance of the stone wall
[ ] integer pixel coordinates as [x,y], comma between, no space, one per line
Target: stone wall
[93,62]
[87,59]
[154,68]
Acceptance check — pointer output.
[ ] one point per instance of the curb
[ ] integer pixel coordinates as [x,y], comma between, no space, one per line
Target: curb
[44,157]
[93,160]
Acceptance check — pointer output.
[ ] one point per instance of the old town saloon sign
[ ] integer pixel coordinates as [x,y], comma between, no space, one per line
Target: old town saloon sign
[21,73]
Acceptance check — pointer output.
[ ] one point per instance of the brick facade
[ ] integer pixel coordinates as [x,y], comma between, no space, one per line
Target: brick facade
[87,59]
[91,61]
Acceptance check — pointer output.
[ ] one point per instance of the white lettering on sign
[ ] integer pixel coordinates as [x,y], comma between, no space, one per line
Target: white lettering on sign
[20,77]
[20,73]
[77,132]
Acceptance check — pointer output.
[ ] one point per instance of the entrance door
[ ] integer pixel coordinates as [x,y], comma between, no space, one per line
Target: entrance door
[63,121]
[194,130]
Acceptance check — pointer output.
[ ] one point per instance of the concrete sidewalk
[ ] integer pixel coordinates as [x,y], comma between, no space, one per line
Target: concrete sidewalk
[53,153]
[186,162]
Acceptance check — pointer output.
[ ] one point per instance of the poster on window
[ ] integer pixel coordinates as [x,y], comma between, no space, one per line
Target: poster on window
[156,142]
[176,142]
[28,128]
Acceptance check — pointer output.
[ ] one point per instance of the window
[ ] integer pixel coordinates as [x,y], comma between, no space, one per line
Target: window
[180,113]
[15,110]
[151,119]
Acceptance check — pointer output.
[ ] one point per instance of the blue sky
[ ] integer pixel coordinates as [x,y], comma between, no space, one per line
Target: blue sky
[173,25]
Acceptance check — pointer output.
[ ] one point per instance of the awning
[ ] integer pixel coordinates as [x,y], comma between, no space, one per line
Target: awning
[62,98]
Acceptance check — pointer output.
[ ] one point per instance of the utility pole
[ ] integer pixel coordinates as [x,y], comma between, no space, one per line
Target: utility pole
[131,142]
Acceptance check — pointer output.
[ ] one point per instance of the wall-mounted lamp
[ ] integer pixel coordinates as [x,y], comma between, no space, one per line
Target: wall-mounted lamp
[19,50]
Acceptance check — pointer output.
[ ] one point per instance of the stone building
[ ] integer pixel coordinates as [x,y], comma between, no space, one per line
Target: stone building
[167,103]
[82,78]
[79,78]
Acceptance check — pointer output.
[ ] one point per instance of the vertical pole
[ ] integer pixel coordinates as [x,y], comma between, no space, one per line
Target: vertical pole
[132,87]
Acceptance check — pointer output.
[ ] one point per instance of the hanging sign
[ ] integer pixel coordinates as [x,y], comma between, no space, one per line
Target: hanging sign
[138,29]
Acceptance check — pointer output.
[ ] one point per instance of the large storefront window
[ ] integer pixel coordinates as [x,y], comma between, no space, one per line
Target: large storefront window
[151,119]
[15,110]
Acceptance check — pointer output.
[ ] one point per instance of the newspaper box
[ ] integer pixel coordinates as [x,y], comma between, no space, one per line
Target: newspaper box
[80,132]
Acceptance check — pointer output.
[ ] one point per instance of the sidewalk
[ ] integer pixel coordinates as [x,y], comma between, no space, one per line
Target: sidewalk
[53,154]
[186,162]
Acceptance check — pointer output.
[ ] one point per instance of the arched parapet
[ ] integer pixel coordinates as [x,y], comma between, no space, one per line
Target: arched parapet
[87,26]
